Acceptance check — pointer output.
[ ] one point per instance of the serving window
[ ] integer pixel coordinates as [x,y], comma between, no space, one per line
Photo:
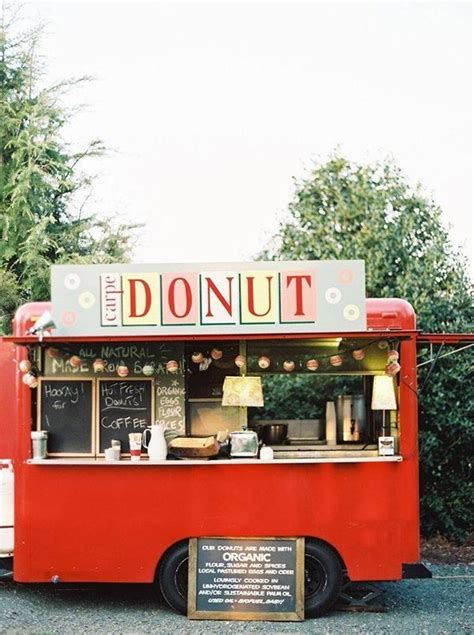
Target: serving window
[300,378]
[92,393]
[208,363]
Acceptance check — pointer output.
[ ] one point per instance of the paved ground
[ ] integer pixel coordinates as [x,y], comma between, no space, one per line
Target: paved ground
[442,605]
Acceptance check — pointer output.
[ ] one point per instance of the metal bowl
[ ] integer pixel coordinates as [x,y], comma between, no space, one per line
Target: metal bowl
[274,433]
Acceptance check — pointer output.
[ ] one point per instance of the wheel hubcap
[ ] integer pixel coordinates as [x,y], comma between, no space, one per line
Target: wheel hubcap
[315,577]
[181,578]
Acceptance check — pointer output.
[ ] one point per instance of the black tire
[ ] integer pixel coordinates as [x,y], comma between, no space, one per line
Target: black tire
[173,576]
[323,578]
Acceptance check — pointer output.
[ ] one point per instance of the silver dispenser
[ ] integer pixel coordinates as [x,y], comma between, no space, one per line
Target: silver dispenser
[351,417]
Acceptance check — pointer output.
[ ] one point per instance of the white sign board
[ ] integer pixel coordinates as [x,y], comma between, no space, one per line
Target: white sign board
[189,299]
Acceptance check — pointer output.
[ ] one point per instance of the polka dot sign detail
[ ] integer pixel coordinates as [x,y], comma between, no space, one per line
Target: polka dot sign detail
[87,300]
[346,276]
[72,281]
[68,318]
[333,295]
[351,312]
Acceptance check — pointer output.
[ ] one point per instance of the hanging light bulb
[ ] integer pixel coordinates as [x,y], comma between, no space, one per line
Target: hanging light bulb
[392,369]
[148,370]
[75,361]
[264,362]
[98,365]
[312,364]
[53,352]
[30,380]
[24,365]
[358,354]
[335,360]
[197,357]
[240,361]
[122,370]
[289,366]
[172,366]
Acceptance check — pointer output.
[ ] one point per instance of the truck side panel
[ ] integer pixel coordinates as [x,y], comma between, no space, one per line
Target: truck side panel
[8,400]
[113,523]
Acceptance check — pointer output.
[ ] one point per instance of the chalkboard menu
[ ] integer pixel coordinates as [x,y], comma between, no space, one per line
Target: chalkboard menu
[134,355]
[65,411]
[246,578]
[170,403]
[125,406]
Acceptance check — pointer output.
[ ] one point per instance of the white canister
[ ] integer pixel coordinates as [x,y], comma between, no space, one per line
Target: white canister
[39,444]
[7,508]
[331,423]
[112,453]
[386,446]
[266,453]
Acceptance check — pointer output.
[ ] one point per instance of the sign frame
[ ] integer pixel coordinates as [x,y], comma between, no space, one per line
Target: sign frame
[92,382]
[148,380]
[278,297]
[288,616]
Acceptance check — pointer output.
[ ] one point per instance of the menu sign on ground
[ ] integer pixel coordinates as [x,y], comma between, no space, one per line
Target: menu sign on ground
[246,578]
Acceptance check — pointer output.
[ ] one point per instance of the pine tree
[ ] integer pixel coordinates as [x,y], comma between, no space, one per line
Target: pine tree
[41,180]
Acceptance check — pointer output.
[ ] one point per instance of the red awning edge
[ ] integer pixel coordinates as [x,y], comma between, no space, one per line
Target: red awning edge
[444,338]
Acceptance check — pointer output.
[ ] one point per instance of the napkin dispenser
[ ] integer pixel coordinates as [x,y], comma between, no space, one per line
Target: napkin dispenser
[244,444]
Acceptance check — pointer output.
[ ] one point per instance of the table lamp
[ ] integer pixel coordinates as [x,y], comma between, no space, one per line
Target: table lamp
[243,392]
[383,396]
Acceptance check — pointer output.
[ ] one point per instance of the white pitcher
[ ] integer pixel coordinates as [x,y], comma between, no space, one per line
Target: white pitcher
[157,447]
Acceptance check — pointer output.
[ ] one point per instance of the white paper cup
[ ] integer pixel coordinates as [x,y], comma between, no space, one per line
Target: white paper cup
[109,454]
[266,453]
[39,442]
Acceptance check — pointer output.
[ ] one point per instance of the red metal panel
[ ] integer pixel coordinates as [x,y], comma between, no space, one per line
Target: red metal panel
[408,421]
[106,523]
[445,338]
[33,340]
[8,414]
[390,313]
[26,316]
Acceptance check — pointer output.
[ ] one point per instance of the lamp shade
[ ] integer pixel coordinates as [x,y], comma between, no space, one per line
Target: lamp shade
[383,394]
[242,391]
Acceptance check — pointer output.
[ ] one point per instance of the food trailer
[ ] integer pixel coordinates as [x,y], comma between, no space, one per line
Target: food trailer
[192,351]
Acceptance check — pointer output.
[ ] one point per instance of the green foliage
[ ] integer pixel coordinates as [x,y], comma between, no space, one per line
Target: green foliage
[370,212]
[305,395]
[40,181]
[447,447]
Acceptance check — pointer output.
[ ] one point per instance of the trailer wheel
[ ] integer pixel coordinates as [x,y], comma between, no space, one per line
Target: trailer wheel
[323,578]
[173,576]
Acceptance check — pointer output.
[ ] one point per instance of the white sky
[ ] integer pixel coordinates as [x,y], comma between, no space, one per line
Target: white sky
[213,108]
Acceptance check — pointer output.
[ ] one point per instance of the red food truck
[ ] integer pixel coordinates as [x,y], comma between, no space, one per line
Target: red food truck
[123,348]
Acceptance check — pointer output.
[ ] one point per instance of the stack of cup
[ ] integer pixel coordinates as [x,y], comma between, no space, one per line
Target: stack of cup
[39,442]
[135,439]
[113,453]
[116,447]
